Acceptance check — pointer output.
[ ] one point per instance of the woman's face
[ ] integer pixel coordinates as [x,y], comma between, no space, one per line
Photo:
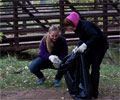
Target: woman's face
[70,28]
[54,35]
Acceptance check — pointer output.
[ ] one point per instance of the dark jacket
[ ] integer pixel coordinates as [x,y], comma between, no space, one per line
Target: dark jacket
[90,34]
[60,48]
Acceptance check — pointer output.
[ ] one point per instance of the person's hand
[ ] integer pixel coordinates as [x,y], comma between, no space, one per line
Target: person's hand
[55,60]
[82,48]
[75,49]
[52,58]
[56,65]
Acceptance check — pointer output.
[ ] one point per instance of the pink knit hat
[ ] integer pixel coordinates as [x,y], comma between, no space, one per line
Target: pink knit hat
[74,17]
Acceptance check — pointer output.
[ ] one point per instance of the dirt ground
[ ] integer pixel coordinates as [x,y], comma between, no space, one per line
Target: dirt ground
[44,94]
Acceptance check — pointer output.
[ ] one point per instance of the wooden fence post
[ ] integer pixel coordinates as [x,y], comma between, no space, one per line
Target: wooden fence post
[24,22]
[61,2]
[105,29]
[16,25]
[96,7]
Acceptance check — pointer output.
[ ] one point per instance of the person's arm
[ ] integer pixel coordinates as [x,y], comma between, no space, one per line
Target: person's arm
[43,50]
[64,49]
[79,43]
[93,36]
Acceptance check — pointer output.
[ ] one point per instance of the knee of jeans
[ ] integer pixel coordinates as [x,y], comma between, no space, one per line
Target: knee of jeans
[32,69]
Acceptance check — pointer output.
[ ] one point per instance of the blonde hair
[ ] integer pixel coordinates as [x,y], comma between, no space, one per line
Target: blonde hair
[54,28]
[49,43]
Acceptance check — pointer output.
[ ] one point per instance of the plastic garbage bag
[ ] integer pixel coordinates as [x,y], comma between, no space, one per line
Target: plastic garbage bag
[77,76]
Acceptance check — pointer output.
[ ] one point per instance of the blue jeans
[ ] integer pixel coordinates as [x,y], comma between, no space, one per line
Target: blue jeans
[39,64]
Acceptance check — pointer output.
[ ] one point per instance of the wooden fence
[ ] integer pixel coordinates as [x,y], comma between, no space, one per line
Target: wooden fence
[25,22]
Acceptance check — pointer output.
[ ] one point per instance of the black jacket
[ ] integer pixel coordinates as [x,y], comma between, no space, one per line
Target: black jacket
[90,34]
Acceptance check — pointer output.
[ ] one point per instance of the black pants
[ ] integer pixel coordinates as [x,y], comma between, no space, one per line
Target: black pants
[94,58]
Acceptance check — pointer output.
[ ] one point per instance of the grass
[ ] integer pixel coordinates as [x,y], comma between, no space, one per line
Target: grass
[109,79]
[15,74]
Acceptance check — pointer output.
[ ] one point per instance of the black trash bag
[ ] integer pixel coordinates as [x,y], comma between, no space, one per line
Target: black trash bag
[77,76]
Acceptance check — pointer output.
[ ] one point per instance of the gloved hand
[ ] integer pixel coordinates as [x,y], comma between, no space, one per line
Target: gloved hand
[82,48]
[55,60]
[56,65]
[75,49]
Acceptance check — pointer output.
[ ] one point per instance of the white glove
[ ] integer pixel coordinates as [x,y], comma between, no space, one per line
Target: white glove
[75,49]
[56,65]
[55,60]
[82,48]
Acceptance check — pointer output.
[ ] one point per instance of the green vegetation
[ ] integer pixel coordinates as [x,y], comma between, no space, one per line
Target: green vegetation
[15,74]
[1,34]
[109,79]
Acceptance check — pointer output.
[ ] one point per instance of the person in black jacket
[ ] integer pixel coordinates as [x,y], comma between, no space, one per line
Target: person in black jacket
[93,41]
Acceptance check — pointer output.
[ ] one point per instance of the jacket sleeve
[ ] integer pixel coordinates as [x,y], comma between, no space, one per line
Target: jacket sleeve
[64,49]
[79,43]
[92,35]
[43,50]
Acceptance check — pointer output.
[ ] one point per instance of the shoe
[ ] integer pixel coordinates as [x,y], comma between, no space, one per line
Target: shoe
[41,81]
[57,83]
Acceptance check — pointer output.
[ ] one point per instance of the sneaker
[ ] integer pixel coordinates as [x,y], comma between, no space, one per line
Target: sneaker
[41,81]
[57,83]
